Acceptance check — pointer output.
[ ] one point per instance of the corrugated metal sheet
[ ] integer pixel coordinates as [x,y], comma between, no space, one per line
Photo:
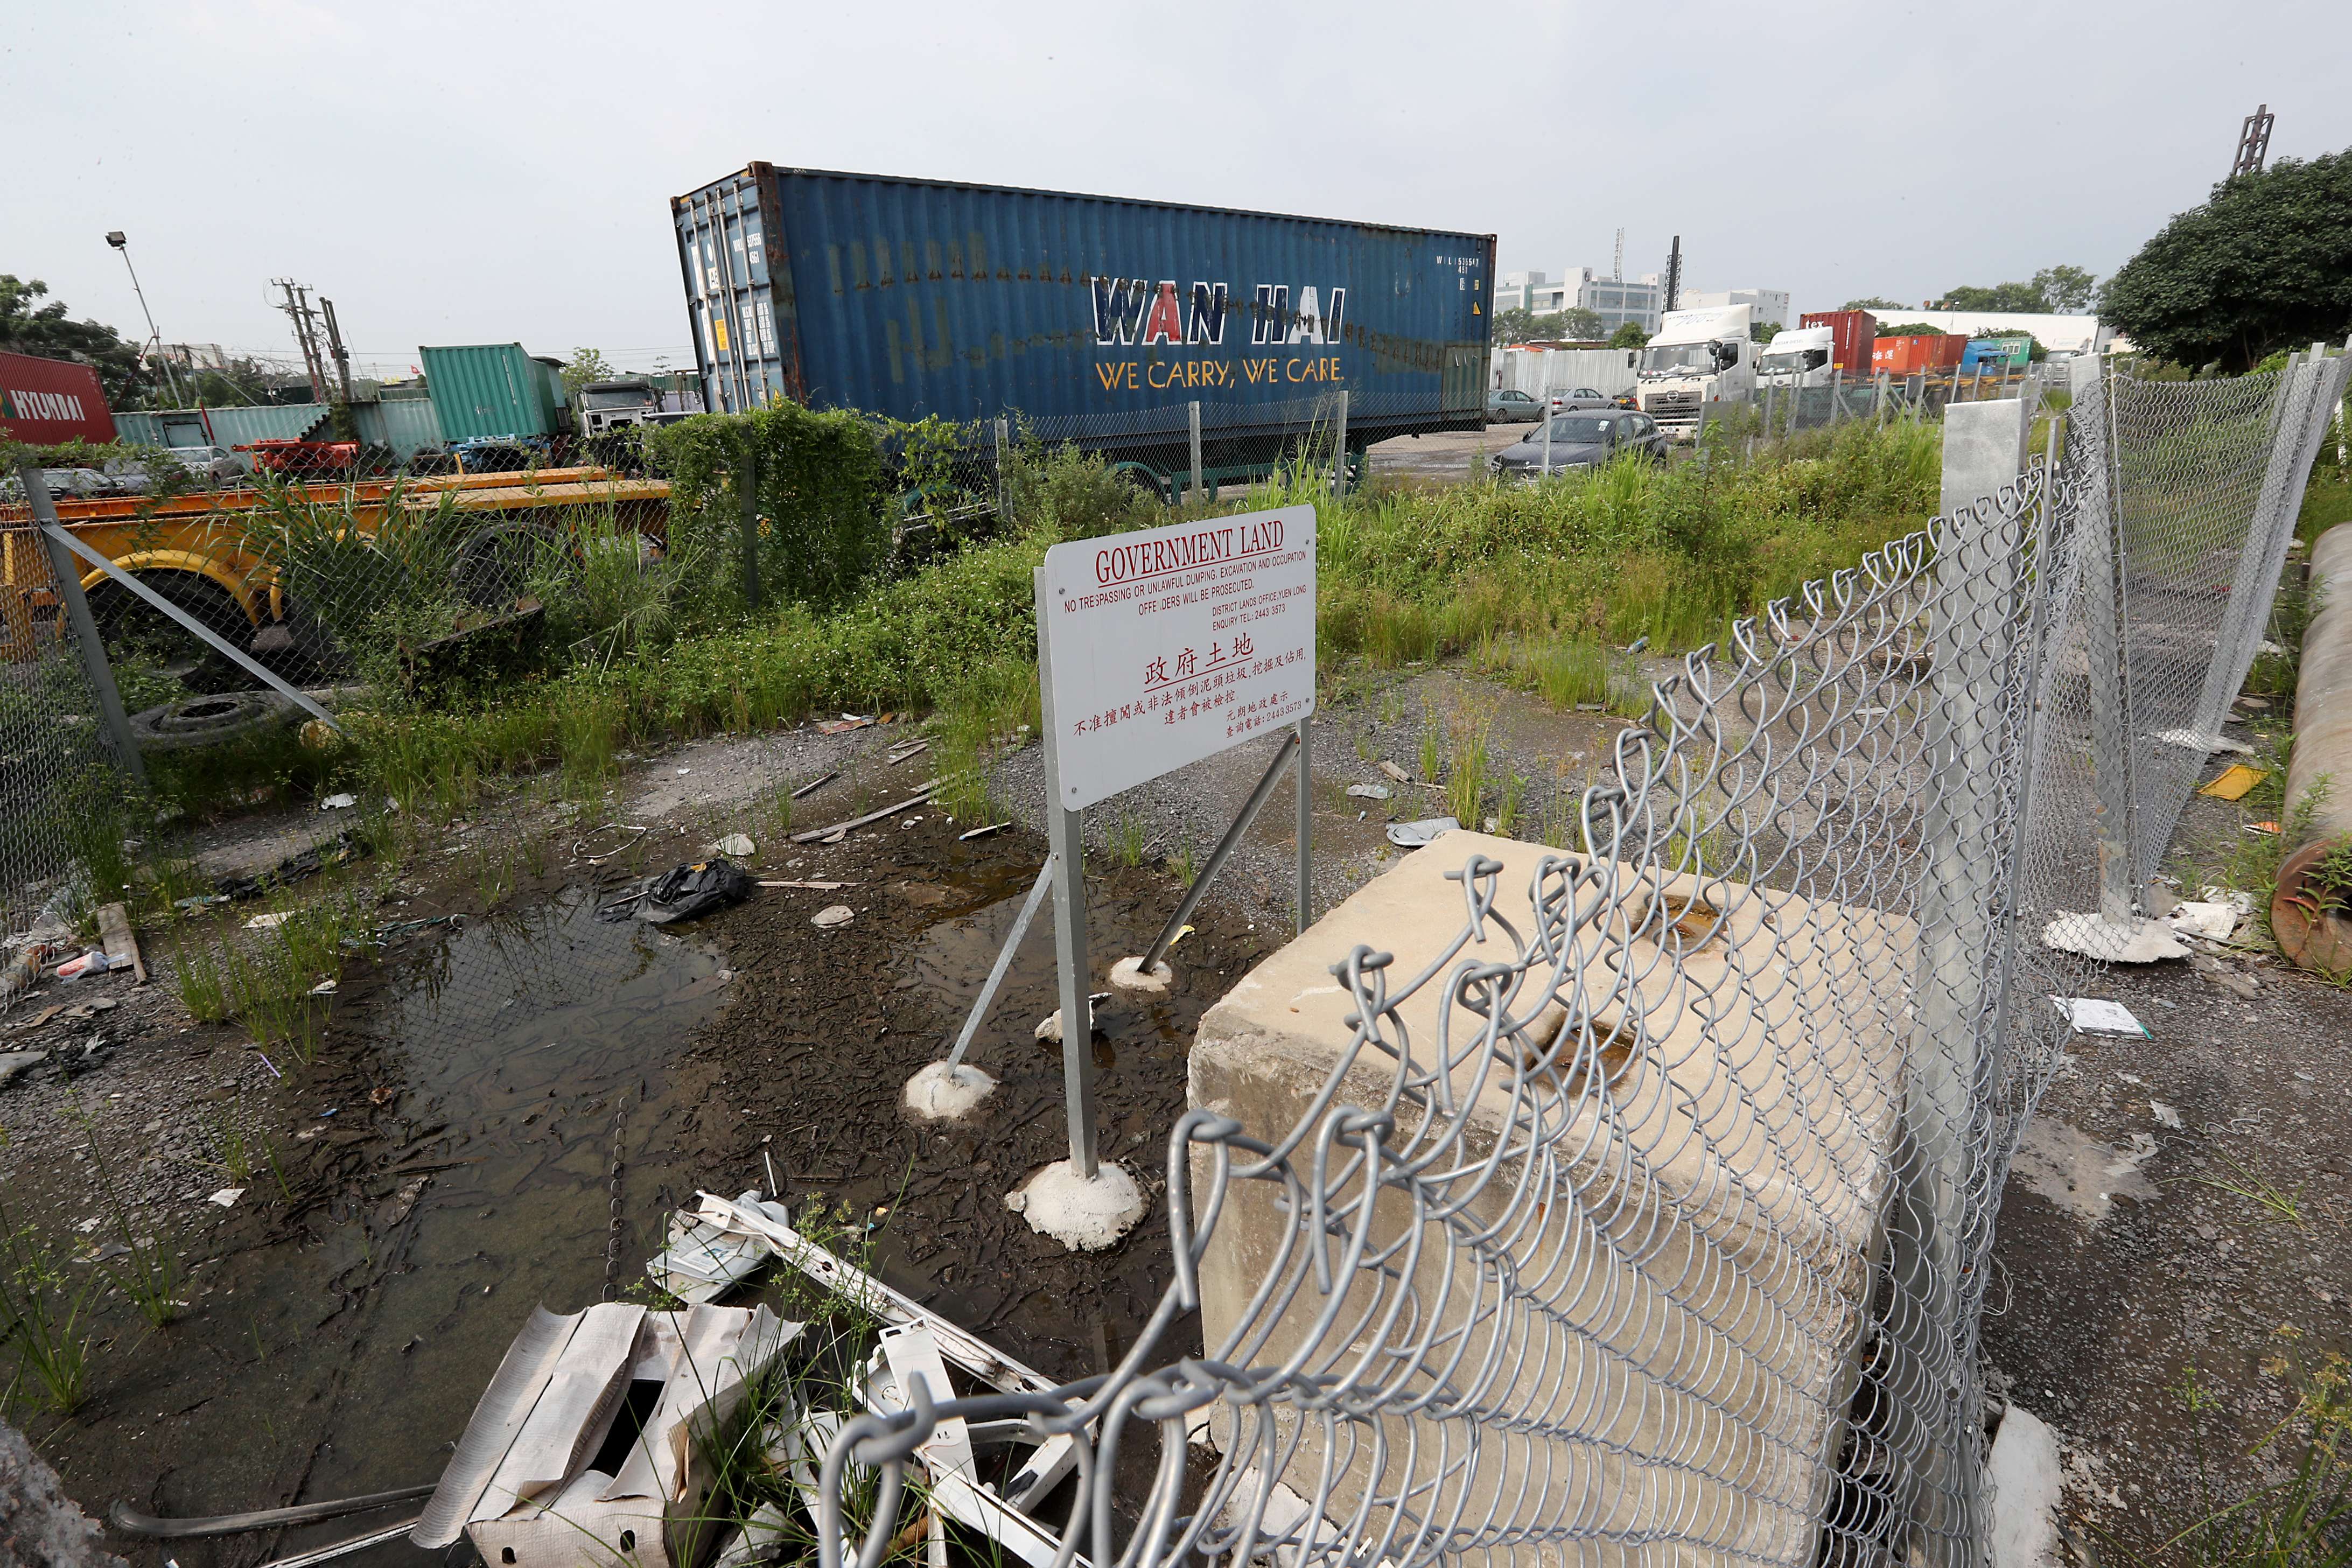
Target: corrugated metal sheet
[230,427]
[492,389]
[1540,372]
[406,425]
[917,297]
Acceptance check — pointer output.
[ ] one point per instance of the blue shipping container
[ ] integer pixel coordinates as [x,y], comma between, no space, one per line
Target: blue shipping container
[914,298]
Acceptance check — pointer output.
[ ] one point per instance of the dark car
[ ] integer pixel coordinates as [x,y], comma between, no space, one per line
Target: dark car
[1583,441]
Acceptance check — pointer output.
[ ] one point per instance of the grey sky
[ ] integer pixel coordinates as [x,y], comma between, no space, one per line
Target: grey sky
[462,173]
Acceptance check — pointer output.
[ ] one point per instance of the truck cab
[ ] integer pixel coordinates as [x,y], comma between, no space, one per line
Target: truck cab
[1799,356]
[608,405]
[1699,357]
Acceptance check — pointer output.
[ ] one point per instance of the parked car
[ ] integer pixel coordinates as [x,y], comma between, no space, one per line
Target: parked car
[63,483]
[1582,440]
[210,465]
[1512,408]
[1578,397]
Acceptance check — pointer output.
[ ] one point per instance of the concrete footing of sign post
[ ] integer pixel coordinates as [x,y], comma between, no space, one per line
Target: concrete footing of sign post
[1128,974]
[1084,1216]
[938,1093]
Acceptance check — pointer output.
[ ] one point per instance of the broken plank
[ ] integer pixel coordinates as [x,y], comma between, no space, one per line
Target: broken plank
[814,886]
[816,784]
[919,797]
[122,946]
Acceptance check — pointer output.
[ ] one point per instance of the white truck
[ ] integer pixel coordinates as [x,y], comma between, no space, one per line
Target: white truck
[1799,356]
[1700,357]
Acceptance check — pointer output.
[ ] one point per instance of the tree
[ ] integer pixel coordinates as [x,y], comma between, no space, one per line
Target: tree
[1761,331]
[29,328]
[2264,264]
[1515,326]
[1910,330]
[2054,291]
[1874,303]
[2066,291]
[1629,336]
[584,366]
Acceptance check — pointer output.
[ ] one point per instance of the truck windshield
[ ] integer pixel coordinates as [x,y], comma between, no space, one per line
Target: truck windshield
[1678,356]
[1796,360]
[623,397]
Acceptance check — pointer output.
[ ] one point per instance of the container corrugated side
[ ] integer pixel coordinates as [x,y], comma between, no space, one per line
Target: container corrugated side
[46,401]
[488,389]
[913,298]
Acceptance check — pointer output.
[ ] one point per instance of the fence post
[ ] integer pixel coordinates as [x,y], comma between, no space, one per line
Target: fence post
[1339,454]
[1003,439]
[2109,603]
[1878,400]
[84,628]
[1195,411]
[1837,392]
[747,491]
[1767,420]
[1546,420]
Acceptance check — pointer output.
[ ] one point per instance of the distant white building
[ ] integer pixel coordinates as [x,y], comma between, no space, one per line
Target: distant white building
[1615,299]
[1771,305]
[2057,334]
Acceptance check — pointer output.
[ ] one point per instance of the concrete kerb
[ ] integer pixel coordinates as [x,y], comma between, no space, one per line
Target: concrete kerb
[2309,930]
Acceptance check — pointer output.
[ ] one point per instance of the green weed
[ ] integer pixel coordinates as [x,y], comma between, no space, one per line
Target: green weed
[1127,844]
[43,1313]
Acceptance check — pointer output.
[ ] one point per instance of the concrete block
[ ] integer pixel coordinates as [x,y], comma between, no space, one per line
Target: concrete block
[1629,1281]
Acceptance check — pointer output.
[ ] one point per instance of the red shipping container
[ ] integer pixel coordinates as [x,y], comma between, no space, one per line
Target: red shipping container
[1916,355]
[1852,332]
[45,402]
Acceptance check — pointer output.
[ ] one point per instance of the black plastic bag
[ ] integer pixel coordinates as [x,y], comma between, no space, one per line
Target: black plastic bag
[682,894]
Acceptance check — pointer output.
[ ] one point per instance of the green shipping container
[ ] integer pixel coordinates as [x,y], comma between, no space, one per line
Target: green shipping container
[495,389]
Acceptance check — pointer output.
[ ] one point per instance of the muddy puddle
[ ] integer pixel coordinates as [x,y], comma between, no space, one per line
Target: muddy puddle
[339,1353]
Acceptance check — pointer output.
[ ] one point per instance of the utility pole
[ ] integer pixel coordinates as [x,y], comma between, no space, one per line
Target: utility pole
[306,333]
[2254,143]
[114,238]
[1674,275]
[335,346]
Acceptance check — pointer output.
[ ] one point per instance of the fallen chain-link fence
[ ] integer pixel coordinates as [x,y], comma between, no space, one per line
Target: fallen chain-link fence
[1635,1201]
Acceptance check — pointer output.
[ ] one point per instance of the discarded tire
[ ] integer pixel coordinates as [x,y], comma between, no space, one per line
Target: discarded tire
[209,720]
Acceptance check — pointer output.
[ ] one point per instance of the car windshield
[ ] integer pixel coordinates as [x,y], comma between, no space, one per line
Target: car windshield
[1796,360]
[1678,356]
[1579,428]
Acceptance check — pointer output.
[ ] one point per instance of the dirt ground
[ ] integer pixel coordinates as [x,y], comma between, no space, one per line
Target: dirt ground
[449,1159]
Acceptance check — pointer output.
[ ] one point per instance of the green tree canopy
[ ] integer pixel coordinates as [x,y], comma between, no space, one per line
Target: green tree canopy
[28,327]
[2054,291]
[2264,264]
[1872,303]
[584,366]
[1629,336]
[1571,325]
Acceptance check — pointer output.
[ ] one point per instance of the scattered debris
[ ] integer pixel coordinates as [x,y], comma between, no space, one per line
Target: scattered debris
[2234,781]
[904,752]
[343,848]
[1049,1027]
[2267,829]
[1413,835]
[2097,1016]
[983,832]
[580,845]
[121,947]
[521,1481]
[681,894]
[1394,772]
[2113,942]
[812,886]
[226,1197]
[15,1062]
[847,722]
[1368,791]
[738,845]
[338,803]
[826,834]
[816,785]
[324,988]
[2243,986]
[833,915]
[706,1258]
[270,922]
[132,1521]
[2191,740]
[2214,921]
[94,961]
[2166,1115]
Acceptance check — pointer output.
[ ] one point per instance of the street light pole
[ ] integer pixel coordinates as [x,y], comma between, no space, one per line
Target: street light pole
[114,238]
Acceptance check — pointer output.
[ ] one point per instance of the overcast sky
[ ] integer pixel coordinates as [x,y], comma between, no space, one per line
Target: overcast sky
[465,173]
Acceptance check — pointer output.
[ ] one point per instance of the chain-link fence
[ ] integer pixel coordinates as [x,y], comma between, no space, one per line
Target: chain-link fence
[1644,1206]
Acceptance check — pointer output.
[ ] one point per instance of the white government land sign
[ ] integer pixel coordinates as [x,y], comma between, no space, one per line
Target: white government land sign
[1168,646]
